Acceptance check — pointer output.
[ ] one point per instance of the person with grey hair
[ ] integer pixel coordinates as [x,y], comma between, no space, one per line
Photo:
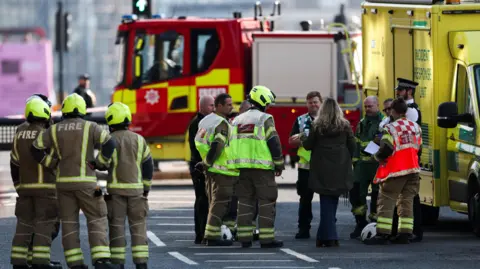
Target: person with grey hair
[205,106]
[365,166]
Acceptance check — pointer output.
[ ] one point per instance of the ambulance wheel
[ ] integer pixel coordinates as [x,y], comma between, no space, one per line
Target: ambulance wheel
[430,215]
[474,212]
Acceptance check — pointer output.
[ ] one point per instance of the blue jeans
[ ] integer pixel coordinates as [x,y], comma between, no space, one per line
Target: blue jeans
[327,230]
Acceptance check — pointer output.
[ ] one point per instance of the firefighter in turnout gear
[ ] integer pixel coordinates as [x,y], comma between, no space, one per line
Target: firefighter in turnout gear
[212,141]
[397,175]
[36,208]
[73,140]
[365,166]
[129,179]
[257,152]
[304,124]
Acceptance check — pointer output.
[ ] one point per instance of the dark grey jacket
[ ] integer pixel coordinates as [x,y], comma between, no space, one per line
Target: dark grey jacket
[331,170]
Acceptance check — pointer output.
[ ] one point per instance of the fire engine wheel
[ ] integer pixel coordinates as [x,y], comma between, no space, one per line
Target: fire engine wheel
[430,215]
[474,212]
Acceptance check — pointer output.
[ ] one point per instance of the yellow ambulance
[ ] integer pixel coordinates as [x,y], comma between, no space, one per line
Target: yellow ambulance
[437,44]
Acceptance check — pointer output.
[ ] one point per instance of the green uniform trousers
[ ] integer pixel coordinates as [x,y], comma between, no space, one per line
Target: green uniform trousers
[35,215]
[364,173]
[220,191]
[253,185]
[400,191]
[135,208]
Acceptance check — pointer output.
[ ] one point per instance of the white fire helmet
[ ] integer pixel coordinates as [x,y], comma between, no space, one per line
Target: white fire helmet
[226,233]
[369,231]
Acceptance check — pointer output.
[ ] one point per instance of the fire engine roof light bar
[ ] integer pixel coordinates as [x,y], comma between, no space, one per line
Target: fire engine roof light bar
[129,18]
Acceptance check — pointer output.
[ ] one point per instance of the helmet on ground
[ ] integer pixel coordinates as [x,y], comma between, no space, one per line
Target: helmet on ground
[369,231]
[226,233]
[74,104]
[261,95]
[37,109]
[118,113]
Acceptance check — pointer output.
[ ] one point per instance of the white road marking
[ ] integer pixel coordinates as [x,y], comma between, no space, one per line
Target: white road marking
[155,239]
[234,253]
[204,246]
[175,224]
[298,255]
[182,258]
[249,261]
[169,217]
[334,268]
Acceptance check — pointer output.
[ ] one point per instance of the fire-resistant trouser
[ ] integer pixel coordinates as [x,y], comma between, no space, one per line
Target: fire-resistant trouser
[136,208]
[364,173]
[221,191]
[306,196]
[35,215]
[253,185]
[403,188]
[95,210]
[201,201]
[417,218]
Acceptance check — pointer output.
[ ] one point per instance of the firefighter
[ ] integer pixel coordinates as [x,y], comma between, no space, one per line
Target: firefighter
[73,140]
[398,175]
[257,152]
[129,180]
[365,166]
[304,124]
[36,208]
[406,89]
[212,141]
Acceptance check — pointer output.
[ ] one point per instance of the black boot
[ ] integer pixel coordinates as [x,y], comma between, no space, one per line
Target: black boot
[47,266]
[379,239]
[105,264]
[141,266]
[361,223]
[302,234]
[273,244]
[83,266]
[402,238]
[21,267]
[247,244]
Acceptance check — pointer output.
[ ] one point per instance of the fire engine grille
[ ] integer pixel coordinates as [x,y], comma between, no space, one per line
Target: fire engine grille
[8,128]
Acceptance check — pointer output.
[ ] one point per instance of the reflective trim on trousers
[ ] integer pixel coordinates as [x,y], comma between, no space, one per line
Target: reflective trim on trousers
[405,225]
[118,254]
[100,252]
[140,251]
[73,255]
[384,225]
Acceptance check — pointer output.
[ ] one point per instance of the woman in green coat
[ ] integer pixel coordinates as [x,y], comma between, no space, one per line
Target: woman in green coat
[332,143]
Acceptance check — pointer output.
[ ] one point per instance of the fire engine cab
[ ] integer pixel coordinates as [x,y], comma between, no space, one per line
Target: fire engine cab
[167,64]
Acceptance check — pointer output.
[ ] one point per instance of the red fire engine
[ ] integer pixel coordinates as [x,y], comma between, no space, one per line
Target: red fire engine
[166,65]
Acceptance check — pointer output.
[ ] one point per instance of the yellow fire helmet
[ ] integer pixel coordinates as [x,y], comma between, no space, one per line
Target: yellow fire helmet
[74,104]
[261,95]
[36,108]
[118,113]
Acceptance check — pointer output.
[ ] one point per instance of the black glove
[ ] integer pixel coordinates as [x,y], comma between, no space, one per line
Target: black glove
[200,167]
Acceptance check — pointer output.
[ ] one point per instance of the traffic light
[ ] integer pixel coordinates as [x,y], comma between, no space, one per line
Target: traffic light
[67,19]
[58,31]
[142,8]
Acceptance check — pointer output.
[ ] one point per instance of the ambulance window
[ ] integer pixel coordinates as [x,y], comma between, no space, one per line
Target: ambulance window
[463,97]
[205,47]
[162,56]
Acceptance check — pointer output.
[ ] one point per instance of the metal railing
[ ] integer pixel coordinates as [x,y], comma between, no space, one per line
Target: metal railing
[8,128]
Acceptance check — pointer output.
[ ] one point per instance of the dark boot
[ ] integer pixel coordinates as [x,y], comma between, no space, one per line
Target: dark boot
[402,238]
[273,244]
[361,223]
[141,266]
[47,266]
[302,234]
[223,243]
[21,267]
[105,264]
[379,239]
